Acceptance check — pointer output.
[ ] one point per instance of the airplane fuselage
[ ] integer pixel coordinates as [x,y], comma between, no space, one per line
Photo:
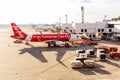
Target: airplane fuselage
[47,37]
[54,38]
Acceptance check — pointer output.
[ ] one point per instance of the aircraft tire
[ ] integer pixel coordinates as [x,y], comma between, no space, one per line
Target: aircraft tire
[49,45]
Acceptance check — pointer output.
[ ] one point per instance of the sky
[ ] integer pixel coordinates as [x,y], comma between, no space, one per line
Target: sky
[49,11]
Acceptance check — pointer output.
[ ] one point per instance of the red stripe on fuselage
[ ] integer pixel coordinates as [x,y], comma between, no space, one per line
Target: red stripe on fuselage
[48,37]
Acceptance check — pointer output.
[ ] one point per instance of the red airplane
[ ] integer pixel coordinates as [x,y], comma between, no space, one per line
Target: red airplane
[51,39]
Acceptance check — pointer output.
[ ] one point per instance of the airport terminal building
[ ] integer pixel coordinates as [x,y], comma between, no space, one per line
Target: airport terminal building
[107,29]
[94,30]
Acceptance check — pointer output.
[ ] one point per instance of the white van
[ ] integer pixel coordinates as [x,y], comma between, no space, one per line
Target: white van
[101,54]
[81,53]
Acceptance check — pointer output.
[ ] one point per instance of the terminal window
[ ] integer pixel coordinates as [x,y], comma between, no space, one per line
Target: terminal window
[98,30]
[93,36]
[81,30]
[85,30]
[102,30]
[90,36]
[66,27]
[110,30]
[110,25]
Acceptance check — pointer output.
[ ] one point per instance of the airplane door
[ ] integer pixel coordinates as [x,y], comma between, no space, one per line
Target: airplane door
[29,37]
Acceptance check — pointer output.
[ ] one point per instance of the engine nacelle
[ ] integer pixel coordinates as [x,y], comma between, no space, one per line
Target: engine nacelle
[59,43]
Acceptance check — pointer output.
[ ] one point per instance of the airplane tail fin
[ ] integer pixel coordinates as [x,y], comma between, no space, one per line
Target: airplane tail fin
[18,33]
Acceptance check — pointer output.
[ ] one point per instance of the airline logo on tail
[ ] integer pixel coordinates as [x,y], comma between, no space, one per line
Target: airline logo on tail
[18,34]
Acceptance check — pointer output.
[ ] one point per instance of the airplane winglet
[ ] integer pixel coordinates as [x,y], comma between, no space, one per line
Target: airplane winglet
[13,24]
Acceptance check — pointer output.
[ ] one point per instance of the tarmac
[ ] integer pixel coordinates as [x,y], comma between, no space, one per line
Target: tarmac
[39,62]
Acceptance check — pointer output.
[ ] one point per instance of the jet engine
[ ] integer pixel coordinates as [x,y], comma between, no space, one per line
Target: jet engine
[59,43]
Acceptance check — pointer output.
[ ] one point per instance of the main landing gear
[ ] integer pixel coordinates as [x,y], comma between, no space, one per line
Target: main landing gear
[50,44]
